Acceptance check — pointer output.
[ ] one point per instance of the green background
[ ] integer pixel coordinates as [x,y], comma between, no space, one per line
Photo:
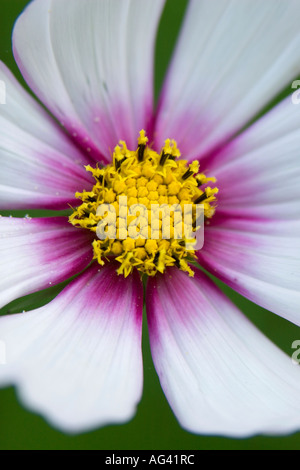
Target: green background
[154,426]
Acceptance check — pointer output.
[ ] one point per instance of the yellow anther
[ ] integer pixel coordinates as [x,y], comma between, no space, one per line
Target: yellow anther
[140,241]
[130,182]
[128,244]
[145,201]
[164,245]
[151,246]
[162,190]
[174,188]
[153,196]
[148,170]
[140,253]
[132,192]
[194,167]
[116,248]
[152,186]
[158,179]
[147,178]
[167,148]
[173,200]
[119,187]
[141,182]
[142,140]
[109,196]
[211,192]
[169,177]
[142,191]
[132,201]
[163,200]
[184,194]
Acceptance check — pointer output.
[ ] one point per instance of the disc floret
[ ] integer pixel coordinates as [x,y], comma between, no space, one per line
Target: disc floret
[136,204]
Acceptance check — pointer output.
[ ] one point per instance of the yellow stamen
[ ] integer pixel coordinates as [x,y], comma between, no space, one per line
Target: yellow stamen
[145,178]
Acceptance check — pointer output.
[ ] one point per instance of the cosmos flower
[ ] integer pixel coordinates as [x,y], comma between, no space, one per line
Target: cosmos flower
[77,360]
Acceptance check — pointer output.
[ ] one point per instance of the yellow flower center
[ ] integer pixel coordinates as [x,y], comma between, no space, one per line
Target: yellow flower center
[143,208]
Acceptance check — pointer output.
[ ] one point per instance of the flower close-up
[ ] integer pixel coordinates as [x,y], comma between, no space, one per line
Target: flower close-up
[88,136]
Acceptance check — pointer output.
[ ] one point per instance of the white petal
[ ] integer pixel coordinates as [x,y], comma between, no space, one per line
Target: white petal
[38,253]
[219,373]
[258,173]
[232,58]
[40,168]
[252,243]
[91,64]
[258,259]
[77,361]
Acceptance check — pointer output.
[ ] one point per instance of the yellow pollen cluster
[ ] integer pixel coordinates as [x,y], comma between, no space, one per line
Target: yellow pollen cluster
[128,208]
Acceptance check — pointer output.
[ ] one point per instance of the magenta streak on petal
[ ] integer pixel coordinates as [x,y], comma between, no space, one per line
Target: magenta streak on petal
[113,128]
[224,218]
[101,126]
[157,290]
[103,286]
[63,239]
[62,177]
[47,188]
[176,132]
[189,131]
[68,246]
[251,223]
[72,174]
[83,141]
[116,127]
[47,180]
[247,192]
[257,258]
[37,253]
[175,285]
[221,234]
[76,133]
[78,359]
[39,202]
[214,366]
[214,249]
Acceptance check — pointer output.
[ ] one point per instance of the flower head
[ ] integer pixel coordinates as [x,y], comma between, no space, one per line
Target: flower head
[77,360]
[129,208]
